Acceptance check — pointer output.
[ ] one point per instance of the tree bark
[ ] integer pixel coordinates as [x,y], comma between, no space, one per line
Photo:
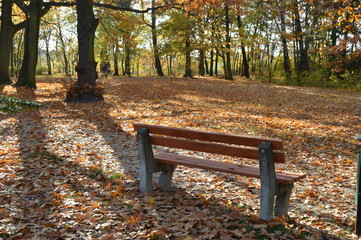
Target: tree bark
[28,67]
[6,32]
[87,24]
[85,88]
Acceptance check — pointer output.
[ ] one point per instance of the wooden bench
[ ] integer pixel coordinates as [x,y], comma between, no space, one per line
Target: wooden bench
[266,150]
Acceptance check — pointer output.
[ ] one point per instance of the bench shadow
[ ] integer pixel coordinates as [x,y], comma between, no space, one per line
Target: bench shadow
[49,187]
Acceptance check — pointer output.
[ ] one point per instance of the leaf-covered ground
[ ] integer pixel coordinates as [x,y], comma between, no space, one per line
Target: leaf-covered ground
[70,170]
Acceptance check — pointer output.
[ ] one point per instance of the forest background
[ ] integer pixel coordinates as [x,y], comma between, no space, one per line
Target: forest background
[314,43]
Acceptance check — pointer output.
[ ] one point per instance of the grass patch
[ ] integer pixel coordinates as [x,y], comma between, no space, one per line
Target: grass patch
[116,176]
[50,156]
[15,105]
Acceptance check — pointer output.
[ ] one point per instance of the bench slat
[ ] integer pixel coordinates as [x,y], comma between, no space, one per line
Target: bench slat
[209,136]
[249,171]
[244,152]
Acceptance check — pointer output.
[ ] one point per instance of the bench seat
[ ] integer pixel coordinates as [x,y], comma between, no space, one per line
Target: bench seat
[213,165]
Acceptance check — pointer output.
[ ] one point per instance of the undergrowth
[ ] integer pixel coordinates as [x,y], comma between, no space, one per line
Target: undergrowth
[15,105]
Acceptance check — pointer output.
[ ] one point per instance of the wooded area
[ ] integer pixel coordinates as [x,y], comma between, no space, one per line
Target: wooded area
[313,43]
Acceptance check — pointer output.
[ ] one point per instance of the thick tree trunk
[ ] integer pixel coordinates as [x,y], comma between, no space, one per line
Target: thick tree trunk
[85,88]
[28,67]
[6,32]
[87,24]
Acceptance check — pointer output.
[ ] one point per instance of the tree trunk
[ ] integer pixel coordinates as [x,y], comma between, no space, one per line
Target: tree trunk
[84,90]
[157,63]
[115,58]
[216,64]
[6,33]
[286,57]
[225,67]
[16,55]
[201,62]
[303,64]
[211,64]
[188,67]
[206,63]
[127,70]
[87,24]
[48,59]
[28,67]
[245,69]
[170,65]
[228,67]
[63,47]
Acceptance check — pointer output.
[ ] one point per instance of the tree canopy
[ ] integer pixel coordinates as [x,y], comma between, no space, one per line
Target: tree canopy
[288,41]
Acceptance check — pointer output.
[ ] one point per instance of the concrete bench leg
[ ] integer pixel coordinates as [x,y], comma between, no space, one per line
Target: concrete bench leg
[148,165]
[283,200]
[268,181]
[165,178]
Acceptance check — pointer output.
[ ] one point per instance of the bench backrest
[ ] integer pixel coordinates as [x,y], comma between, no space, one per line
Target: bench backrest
[218,143]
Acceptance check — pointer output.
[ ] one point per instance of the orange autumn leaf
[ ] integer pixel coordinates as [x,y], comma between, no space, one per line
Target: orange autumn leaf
[338,179]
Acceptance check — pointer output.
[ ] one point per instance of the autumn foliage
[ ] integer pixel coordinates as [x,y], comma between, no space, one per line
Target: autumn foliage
[70,170]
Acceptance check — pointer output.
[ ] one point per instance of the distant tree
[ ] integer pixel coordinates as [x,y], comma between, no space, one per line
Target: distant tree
[61,39]
[153,26]
[303,61]
[46,33]
[228,67]
[245,71]
[178,30]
